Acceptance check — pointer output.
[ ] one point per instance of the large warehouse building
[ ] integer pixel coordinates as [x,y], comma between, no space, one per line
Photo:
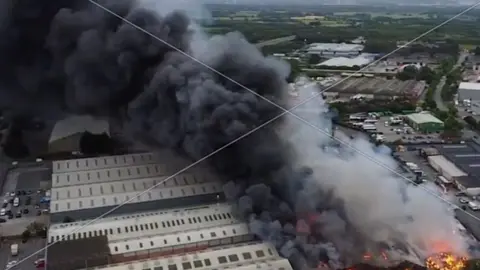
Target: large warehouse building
[459,164]
[158,238]
[86,188]
[469,91]
[181,224]
[424,122]
[330,50]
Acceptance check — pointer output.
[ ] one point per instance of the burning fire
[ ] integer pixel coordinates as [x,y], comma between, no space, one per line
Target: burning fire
[446,261]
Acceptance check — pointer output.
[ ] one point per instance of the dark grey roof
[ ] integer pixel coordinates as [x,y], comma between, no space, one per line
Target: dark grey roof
[464,156]
[469,181]
[79,253]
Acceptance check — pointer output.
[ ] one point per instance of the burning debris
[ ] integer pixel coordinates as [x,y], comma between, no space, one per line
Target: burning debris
[446,261]
[319,207]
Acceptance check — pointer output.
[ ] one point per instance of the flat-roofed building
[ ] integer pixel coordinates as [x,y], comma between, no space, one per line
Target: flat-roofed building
[469,91]
[101,186]
[145,224]
[246,256]
[424,122]
[109,162]
[329,50]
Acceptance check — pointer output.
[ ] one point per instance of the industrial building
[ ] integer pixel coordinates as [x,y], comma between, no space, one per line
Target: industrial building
[161,239]
[241,256]
[378,88]
[468,91]
[66,134]
[330,50]
[358,61]
[424,122]
[86,188]
[459,164]
[182,223]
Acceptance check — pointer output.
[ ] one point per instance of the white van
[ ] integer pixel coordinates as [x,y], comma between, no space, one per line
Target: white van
[16,202]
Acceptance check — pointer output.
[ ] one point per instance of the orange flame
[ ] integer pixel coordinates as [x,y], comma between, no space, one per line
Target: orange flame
[446,261]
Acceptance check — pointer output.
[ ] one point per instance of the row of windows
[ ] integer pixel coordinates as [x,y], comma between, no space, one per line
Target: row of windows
[232,258]
[158,168]
[143,158]
[165,241]
[136,186]
[146,226]
[81,205]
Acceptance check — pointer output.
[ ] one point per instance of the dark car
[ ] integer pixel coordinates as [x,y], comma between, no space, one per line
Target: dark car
[18,215]
[28,201]
[2,220]
[39,213]
[4,205]
[10,216]
[25,211]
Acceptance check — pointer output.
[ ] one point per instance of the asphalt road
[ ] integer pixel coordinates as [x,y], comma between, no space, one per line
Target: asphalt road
[438,91]
[24,250]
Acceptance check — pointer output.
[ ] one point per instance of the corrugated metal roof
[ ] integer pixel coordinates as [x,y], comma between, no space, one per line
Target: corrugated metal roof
[447,167]
[423,117]
[347,62]
[244,256]
[335,47]
[85,164]
[109,175]
[147,224]
[126,186]
[159,193]
[239,230]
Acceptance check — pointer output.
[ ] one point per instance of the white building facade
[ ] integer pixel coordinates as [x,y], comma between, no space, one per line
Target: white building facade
[469,91]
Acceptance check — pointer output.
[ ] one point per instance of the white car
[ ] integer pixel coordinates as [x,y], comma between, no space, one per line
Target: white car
[16,202]
[10,264]
[463,200]
[3,212]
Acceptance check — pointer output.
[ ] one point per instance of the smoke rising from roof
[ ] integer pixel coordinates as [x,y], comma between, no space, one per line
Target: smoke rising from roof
[313,201]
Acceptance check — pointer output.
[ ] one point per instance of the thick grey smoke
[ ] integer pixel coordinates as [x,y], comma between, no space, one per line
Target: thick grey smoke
[315,202]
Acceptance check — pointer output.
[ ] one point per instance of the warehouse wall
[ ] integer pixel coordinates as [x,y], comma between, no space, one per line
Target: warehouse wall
[468,94]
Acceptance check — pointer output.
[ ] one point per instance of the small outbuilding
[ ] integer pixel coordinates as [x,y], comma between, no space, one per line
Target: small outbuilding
[424,122]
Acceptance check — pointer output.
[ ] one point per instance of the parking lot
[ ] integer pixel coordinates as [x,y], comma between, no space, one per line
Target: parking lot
[29,186]
[403,132]
[464,214]
[24,250]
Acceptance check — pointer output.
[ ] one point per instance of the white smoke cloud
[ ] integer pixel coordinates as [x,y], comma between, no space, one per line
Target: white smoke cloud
[377,203]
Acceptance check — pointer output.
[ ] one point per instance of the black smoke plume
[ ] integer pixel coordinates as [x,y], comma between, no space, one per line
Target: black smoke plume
[62,57]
